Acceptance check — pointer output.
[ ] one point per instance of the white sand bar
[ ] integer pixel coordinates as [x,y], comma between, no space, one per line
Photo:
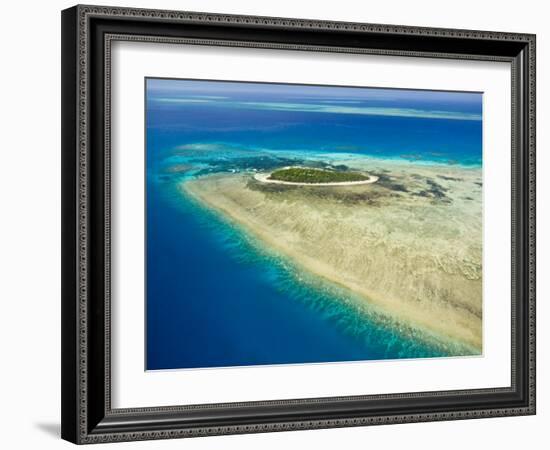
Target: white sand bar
[264,178]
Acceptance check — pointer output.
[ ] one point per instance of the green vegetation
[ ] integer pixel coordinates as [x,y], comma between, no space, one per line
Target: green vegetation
[308,175]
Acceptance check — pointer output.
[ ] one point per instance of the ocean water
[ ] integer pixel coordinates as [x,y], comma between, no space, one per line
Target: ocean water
[217,298]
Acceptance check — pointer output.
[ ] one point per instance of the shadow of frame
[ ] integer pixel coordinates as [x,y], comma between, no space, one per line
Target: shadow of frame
[51,428]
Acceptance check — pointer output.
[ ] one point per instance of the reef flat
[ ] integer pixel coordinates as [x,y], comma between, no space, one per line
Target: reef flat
[410,244]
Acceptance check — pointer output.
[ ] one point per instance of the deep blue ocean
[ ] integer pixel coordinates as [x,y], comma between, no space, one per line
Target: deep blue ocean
[215,297]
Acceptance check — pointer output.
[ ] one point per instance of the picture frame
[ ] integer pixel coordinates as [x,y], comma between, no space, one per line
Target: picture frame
[87,366]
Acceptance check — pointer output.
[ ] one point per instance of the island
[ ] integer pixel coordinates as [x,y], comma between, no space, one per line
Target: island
[307,176]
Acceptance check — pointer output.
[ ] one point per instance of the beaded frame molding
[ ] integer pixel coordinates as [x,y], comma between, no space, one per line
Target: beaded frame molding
[87,35]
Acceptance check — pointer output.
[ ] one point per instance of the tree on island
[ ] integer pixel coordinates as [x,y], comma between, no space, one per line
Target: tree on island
[308,175]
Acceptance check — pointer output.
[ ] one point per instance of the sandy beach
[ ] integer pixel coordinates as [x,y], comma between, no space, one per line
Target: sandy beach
[409,244]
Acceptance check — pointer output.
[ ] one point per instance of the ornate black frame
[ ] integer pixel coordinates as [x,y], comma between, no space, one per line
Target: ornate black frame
[87,32]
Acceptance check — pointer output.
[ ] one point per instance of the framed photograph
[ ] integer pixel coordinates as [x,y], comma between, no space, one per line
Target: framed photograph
[278,224]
